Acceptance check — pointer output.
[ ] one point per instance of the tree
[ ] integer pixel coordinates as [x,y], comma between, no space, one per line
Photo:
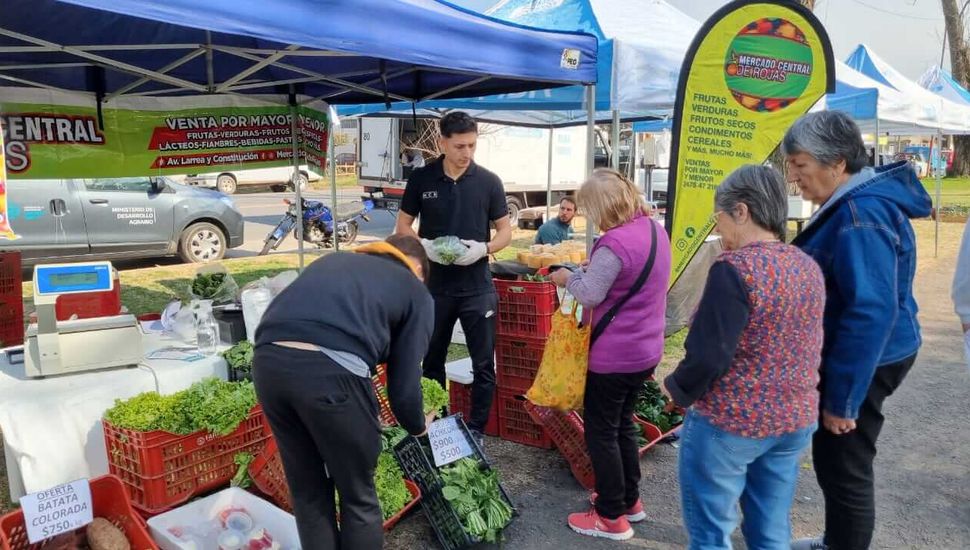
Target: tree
[960,67]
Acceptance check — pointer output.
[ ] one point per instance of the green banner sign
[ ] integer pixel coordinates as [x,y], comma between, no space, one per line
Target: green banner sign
[54,135]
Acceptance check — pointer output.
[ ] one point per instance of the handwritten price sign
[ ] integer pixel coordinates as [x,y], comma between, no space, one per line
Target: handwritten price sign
[448,441]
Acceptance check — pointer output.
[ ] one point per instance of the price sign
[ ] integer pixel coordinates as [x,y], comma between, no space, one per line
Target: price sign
[57,510]
[448,441]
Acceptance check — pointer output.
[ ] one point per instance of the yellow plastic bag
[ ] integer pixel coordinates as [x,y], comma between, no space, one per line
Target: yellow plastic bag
[561,380]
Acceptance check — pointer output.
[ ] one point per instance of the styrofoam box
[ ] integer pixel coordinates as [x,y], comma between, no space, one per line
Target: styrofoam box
[279,524]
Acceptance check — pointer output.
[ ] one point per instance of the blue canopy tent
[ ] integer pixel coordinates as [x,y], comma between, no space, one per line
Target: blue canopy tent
[343,51]
[942,83]
[296,52]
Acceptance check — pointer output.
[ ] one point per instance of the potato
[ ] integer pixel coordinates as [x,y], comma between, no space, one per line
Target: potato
[67,541]
[103,535]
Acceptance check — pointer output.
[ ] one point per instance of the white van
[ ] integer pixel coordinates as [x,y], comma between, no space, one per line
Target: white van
[278,178]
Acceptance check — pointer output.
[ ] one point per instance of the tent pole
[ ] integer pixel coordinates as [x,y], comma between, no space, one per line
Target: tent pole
[590,148]
[615,138]
[294,140]
[549,177]
[939,185]
[333,184]
[877,159]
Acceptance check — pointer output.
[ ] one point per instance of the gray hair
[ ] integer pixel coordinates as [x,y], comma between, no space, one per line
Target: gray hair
[763,190]
[828,136]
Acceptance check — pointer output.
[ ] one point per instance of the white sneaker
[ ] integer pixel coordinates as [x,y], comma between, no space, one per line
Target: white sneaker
[816,543]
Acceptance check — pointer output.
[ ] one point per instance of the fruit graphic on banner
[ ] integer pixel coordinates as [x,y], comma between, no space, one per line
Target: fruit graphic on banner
[6,232]
[768,65]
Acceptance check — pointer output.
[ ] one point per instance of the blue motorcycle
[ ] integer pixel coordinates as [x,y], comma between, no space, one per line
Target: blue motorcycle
[318,224]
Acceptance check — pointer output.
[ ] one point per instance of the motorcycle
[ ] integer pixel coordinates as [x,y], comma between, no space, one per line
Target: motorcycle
[318,224]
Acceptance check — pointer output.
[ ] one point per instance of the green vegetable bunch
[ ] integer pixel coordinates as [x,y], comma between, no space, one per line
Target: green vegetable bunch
[449,249]
[392,493]
[242,479]
[435,397]
[391,436]
[650,407]
[240,356]
[219,287]
[210,404]
[206,285]
[535,278]
[476,497]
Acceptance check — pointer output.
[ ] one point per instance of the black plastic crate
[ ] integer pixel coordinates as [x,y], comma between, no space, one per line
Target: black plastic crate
[419,468]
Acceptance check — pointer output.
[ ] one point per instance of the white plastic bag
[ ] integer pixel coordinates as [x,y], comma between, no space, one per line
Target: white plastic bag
[226,292]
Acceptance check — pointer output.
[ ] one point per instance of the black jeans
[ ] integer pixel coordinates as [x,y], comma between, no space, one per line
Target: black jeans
[611,437]
[843,465]
[325,422]
[477,315]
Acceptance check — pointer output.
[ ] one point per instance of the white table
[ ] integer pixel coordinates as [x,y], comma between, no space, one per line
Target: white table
[51,427]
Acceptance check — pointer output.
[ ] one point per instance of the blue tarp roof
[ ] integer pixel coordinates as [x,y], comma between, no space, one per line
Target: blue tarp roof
[641,49]
[342,51]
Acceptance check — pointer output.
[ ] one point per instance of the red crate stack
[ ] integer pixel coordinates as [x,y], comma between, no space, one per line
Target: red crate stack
[11,300]
[515,424]
[525,310]
[460,401]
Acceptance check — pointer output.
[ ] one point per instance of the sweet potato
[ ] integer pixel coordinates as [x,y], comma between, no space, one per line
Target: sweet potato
[102,535]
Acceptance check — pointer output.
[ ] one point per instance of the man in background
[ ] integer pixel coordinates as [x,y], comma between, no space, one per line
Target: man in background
[560,228]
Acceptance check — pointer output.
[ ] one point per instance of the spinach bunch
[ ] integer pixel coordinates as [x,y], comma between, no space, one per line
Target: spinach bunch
[476,497]
[240,356]
[650,407]
[449,249]
[207,285]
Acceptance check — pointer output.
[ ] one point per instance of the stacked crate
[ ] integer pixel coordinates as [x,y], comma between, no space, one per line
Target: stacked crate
[525,310]
[11,300]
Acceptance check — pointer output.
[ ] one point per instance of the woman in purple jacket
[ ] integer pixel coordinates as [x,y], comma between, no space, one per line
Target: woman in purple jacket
[626,352]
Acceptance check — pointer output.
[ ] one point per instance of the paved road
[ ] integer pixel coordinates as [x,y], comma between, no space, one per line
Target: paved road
[263,211]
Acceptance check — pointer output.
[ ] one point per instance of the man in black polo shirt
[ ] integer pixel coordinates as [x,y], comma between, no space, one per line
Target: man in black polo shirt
[453,196]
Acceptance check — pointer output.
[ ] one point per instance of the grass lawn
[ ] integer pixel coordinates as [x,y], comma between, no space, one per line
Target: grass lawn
[953,191]
[343,181]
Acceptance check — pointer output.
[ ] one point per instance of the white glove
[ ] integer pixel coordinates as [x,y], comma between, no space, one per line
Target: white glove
[430,251]
[476,251]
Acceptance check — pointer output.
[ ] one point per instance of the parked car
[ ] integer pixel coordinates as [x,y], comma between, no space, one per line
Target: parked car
[916,159]
[121,218]
[343,159]
[228,181]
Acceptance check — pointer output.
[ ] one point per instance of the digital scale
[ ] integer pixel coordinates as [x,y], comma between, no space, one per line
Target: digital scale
[53,347]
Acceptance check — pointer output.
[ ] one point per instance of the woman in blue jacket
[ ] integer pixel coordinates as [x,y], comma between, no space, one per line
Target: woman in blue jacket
[862,239]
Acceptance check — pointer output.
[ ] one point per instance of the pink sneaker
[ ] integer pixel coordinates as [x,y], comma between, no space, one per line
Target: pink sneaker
[593,525]
[634,514]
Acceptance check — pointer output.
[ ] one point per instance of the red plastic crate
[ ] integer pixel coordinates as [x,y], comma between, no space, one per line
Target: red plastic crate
[515,424]
[161,469]
[379,381]
[525,308]
[517,362]
[567,431]
[108,500]
[460,401]
[11,321]
[10,279]
[269,477]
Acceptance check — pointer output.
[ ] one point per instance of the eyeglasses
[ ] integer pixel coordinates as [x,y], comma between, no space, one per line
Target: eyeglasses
[715,215]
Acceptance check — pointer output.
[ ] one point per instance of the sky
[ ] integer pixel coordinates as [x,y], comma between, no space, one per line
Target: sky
[908,34]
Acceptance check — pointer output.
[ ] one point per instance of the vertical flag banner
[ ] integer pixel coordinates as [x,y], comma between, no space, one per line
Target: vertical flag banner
[752,70]
[6,232]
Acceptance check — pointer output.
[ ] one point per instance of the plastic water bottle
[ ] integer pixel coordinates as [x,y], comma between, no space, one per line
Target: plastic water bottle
[207,335]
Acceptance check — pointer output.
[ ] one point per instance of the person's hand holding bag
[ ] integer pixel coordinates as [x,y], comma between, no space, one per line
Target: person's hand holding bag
[476,251]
